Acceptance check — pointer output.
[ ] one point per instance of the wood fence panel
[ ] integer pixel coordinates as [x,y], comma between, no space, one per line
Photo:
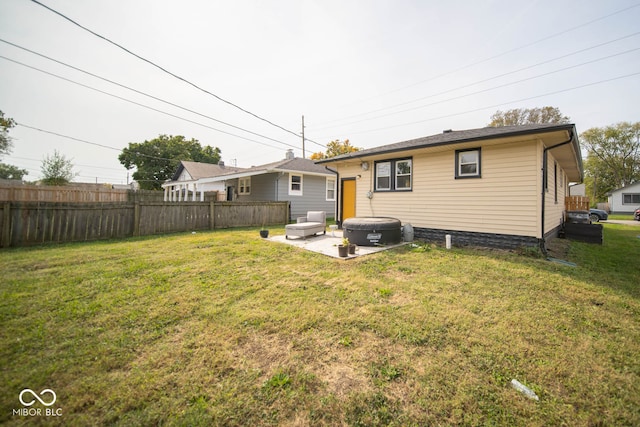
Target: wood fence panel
[38,223]
[576,203]
[159,218]
[248,214]
[32,223]
[62,194]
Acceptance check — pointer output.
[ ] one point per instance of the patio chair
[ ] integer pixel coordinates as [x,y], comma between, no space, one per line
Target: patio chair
[315,222]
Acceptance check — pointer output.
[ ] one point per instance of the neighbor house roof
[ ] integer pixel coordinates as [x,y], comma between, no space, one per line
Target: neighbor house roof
[450,137]
[297,164]
[198,170]
[626,187]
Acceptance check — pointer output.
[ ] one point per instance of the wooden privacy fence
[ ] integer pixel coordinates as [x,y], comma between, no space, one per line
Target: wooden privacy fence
[576,203]
[79,194]
[31,223]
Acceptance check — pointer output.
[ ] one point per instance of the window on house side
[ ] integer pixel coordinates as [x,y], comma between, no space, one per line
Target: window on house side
[468,163]
[245,185]
[331,189]
[393,175]
[403,174]
[383,176]
[630,199]
[295,185]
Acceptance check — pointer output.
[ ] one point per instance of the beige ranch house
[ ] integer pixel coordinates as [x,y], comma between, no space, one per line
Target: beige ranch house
[495,186]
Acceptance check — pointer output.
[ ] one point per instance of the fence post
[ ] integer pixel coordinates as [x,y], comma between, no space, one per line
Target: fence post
[212,218]
[136,219]
[6,225]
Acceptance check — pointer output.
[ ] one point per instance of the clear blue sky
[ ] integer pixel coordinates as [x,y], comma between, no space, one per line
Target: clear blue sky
[373,72]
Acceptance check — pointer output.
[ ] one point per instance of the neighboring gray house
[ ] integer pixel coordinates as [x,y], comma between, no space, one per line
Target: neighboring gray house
[306,185]
[625,200]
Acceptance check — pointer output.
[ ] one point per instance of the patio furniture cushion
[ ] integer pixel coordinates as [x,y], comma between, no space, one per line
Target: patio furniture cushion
[315,222]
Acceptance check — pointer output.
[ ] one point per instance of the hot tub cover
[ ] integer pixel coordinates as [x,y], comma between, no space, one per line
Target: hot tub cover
[371,223]
[372,231]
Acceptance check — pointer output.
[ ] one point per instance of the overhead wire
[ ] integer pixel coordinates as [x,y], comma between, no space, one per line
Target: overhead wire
[137,91]
[167,71]
[515,49]
[489,89]
[143,105]
[502,103]
[477,82]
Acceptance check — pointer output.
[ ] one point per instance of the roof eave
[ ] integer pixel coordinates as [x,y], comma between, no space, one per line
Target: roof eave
[375,152]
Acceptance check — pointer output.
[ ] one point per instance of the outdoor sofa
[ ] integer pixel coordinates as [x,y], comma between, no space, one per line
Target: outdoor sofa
[315,222]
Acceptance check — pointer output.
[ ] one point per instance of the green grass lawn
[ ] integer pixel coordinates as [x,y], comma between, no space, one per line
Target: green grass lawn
[224,328]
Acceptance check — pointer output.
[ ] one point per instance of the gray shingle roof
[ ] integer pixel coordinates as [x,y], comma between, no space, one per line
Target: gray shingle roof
[454,137]
[199,170]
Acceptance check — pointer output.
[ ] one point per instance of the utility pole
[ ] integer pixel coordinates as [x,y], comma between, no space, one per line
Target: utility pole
[303,154]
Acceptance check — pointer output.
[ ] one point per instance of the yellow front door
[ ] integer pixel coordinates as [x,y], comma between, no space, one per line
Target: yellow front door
[348,198]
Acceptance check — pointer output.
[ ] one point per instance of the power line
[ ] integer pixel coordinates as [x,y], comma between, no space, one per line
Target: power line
[491,88]
[164,69]
[477,82]
[143,105]
[481,61]
[138,91]
[500,104]
[91,143]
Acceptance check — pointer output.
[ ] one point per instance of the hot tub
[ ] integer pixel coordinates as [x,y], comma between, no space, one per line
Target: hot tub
[372,231]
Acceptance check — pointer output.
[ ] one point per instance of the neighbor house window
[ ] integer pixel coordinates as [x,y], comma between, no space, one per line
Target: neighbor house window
[331,189]
[468,163]
[393,175]
[245,185]
[295,185]
[630,199]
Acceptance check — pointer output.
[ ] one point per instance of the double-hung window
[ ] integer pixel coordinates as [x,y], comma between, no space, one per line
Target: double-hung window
[468,163]
[245,185]
[393,175]
[331,189]
[295,185]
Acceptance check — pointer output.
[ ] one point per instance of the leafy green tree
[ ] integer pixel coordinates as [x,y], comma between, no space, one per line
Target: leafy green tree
[57,169]
[525,116]
[613,158]
[335,148]
[6,144]
[156,160]
[11,172]
[6,123]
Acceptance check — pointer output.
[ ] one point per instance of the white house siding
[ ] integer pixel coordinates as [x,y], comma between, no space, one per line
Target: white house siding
[502,201]
[616,201]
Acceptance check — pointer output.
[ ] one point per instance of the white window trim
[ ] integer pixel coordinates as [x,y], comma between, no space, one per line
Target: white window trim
[410,174]
[459,164]
[332,188]
[243,183]
[295,192]
[378,164]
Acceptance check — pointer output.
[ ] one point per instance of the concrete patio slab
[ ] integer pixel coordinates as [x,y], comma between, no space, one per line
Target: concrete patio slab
[328,244]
